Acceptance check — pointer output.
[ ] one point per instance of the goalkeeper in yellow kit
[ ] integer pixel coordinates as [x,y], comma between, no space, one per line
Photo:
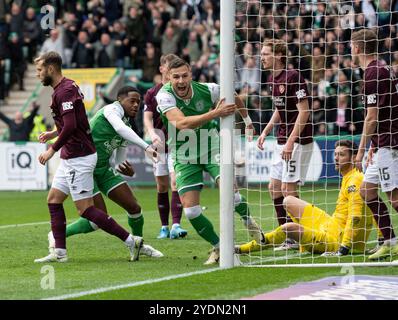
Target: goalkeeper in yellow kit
[346,230]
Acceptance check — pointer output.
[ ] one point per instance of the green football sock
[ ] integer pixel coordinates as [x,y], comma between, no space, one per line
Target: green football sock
[136,224]
[81,225]
[242,208]
[205,229]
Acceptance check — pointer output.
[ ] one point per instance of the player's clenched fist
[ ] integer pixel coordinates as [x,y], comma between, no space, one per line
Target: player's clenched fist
[126,169]
[45,156]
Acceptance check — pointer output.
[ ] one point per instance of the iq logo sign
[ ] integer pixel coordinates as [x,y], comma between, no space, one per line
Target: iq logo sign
[19,167]
[21,161]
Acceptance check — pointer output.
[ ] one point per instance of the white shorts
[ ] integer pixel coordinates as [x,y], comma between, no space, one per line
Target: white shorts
[75,177]
[164,166]
[295,170]
[384,169]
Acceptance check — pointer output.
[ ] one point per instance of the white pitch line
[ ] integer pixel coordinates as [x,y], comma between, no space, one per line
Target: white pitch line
[129,285]
[144,282]
[140,283]
[48,222]
[24,224]
[274,259]
[172,277]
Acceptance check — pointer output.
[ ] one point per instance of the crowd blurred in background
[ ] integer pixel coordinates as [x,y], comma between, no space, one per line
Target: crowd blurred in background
[133,34]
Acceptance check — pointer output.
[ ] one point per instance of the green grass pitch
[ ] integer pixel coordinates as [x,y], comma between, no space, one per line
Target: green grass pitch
[98,260]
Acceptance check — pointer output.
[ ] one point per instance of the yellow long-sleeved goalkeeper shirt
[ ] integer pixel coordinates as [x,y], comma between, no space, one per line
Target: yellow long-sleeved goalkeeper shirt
[351,213]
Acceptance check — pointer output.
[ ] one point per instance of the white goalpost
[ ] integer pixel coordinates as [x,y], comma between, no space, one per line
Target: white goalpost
[227,12]
[317,34]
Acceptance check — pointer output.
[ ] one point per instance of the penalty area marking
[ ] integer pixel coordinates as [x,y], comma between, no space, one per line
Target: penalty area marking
[129,285]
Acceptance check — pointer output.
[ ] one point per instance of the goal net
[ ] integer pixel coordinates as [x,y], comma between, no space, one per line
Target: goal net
[317,34]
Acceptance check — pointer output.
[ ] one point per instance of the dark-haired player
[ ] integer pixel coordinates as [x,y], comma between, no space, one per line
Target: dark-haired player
[185,107]
[74,175]
[111,131]
[163,169]
[380,95]
[317,232]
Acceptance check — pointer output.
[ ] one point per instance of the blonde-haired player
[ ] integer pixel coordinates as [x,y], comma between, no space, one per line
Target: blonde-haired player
[292,116]
[346,230]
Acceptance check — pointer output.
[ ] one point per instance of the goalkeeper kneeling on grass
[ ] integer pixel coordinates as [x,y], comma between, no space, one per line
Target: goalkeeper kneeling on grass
[317,232]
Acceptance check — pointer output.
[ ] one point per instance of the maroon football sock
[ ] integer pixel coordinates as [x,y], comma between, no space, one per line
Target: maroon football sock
[382,217]
[105,222]
[281,214]
[164,207]
[58,224]
[176,207]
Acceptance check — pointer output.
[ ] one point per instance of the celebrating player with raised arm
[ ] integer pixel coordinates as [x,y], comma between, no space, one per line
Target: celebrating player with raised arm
[294,136]
[111,131]
[381,128]
[74,175]
[346,230]
[186,110]
[163,169]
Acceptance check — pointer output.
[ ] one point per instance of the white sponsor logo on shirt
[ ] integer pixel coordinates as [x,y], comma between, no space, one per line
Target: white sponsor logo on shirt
[301,94]
[67,105]
[371,99]
[165,101]
[278,101]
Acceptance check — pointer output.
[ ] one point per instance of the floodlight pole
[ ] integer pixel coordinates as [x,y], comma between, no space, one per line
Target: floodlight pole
[227,67]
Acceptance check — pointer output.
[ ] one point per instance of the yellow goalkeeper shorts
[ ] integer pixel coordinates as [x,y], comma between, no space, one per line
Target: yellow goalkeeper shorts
[321,232]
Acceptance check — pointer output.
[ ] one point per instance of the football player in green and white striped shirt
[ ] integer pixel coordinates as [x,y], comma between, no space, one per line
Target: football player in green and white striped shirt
[186,108]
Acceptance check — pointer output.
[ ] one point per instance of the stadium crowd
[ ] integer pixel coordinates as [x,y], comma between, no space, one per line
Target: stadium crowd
[133,34]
